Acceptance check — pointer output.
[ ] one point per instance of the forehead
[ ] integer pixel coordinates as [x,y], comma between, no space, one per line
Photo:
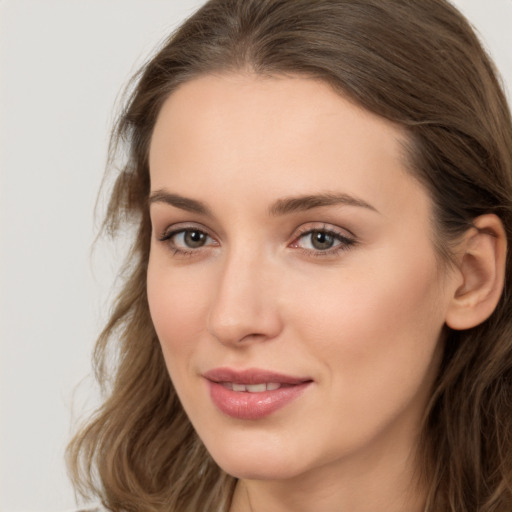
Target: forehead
[285,135]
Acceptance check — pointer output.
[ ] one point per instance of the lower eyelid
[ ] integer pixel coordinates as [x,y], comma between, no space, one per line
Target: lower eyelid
[180,249]
[342,243]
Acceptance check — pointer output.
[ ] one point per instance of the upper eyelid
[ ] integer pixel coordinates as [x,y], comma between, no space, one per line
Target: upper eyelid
[343,239]
[302,230]
[329,228]
[178,227]
[168,235]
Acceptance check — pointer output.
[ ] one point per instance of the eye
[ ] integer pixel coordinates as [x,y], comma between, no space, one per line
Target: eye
[191,239]
[322,241]
[186,240]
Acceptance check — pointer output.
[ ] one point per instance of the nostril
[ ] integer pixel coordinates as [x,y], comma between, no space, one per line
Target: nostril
[245,329]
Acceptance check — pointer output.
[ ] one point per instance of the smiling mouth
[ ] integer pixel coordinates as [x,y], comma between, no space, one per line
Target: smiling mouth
[253,394]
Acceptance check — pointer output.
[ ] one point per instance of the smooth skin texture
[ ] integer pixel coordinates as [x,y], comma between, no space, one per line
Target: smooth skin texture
[345,290]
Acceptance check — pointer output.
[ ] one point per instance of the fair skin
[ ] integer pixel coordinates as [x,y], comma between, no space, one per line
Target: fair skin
[345,292]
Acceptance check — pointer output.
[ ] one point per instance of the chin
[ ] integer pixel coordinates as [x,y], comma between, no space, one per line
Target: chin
[259,469]
[266,460]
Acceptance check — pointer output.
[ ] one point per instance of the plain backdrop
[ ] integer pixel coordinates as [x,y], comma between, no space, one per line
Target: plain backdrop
[63,64]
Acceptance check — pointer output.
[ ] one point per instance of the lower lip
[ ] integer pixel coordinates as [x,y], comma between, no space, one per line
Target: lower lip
[244,405]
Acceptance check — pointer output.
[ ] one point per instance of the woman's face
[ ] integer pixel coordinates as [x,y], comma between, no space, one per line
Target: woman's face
[292,278]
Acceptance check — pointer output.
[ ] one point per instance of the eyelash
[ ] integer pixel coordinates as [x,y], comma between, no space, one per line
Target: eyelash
[345,243]
[168,236]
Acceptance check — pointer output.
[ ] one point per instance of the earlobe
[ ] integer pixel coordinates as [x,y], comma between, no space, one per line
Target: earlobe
[482,267]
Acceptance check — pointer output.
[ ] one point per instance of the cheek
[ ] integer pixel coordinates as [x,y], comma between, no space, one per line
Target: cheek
[178,306]
[376,333]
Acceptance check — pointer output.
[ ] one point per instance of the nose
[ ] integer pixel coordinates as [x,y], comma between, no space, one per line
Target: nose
[245,307]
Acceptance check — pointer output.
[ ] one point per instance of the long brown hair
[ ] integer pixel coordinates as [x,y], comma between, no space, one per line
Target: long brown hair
[415,62]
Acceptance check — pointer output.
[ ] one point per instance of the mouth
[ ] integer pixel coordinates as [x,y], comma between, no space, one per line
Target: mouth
[253,388]
[253,394]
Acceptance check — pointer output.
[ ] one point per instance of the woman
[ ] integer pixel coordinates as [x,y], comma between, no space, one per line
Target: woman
[322,198]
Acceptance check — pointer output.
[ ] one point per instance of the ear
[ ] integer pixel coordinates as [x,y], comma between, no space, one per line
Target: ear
[481,266]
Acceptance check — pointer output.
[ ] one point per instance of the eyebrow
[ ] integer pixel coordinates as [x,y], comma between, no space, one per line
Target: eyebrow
[282,206]
[183,203]
[308,202]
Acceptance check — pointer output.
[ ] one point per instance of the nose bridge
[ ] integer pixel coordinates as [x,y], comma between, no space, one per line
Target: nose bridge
[244,306]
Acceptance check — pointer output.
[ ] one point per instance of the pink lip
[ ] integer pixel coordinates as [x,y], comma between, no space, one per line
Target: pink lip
[252,406]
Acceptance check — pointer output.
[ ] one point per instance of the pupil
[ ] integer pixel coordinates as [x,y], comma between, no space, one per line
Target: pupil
[322,240]
[195,238]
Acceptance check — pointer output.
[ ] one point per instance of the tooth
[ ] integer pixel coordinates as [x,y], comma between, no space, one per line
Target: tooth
[271,386]
[239,387]
[256,388]
[228,385]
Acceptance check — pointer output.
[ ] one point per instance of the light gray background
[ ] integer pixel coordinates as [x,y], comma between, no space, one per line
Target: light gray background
[62,65]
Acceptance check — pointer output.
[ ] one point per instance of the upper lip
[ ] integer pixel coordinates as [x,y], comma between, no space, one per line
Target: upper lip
[251,376]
